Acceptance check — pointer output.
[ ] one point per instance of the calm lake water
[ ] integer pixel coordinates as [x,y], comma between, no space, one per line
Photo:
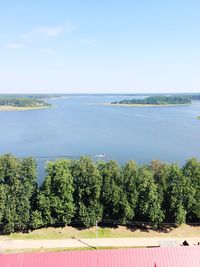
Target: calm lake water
[79,126]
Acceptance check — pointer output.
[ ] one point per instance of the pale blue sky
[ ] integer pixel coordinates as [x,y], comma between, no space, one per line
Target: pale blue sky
[129,46]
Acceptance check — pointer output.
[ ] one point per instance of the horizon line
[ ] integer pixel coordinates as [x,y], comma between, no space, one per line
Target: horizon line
[98,93]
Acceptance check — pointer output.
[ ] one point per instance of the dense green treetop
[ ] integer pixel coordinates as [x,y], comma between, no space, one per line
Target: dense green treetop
[86,192]
[157,100]
[17,188]
[87,184]
[55,202]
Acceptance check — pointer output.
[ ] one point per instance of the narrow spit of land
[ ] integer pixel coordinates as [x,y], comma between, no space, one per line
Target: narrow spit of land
[12,108]
[22,103]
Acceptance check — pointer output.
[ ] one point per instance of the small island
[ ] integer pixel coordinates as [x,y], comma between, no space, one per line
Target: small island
[14,103]
[155,101]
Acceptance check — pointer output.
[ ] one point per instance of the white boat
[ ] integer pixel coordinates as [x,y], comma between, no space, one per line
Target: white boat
[100,156]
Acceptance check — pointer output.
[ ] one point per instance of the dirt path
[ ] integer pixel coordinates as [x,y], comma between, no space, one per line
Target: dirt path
[8,244]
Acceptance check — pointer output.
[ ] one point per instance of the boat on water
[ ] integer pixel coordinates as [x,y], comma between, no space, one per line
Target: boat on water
[100,156]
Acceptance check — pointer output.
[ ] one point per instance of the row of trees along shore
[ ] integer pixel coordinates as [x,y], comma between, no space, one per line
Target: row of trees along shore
[157,100]
[85,192]
[23,102]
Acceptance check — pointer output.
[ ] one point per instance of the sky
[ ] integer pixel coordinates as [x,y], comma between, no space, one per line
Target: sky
[104,46]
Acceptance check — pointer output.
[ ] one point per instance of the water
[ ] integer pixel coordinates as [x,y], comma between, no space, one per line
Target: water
[80,126]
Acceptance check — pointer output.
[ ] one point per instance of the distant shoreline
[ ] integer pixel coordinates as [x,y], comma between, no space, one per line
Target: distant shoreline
[54,98]
[12,108]
[143,105]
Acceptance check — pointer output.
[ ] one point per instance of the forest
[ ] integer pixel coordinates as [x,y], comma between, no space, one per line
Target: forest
[84,192]
[157,100]
[22,102]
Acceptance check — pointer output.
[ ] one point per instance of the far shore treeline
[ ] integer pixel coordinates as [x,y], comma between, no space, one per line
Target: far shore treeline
[22,102]
[86,192]
[160,100]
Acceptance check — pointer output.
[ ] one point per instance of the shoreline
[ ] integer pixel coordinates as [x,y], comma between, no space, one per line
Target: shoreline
[144,105]
[12,108]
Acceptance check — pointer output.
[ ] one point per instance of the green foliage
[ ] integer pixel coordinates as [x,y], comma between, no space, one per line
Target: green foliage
[55,201]
[36,220]
[175,196]
[88,182]
[129,185]
[149,203]
[27,188]
[22,102]
[161,174]
[44,207]
[110,194]
[191,171]
[17,183]
[2,201]
[88,192]
[157,100]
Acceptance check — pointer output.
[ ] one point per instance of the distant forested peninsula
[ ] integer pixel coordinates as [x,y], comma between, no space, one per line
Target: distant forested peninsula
[156,100]
[12,102]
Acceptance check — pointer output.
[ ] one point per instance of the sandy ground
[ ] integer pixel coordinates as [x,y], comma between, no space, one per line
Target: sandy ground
[11,108]
[8,244]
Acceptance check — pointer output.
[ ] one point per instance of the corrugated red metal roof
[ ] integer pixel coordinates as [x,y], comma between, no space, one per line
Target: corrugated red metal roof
[141,257]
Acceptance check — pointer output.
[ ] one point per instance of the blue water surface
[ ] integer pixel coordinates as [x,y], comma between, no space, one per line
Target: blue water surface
[80,125]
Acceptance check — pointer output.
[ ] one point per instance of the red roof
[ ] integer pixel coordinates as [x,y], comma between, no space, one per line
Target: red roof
[141,257]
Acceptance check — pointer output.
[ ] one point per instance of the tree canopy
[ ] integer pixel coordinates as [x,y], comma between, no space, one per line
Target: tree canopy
[157,100]
[85,192]
[22,102]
